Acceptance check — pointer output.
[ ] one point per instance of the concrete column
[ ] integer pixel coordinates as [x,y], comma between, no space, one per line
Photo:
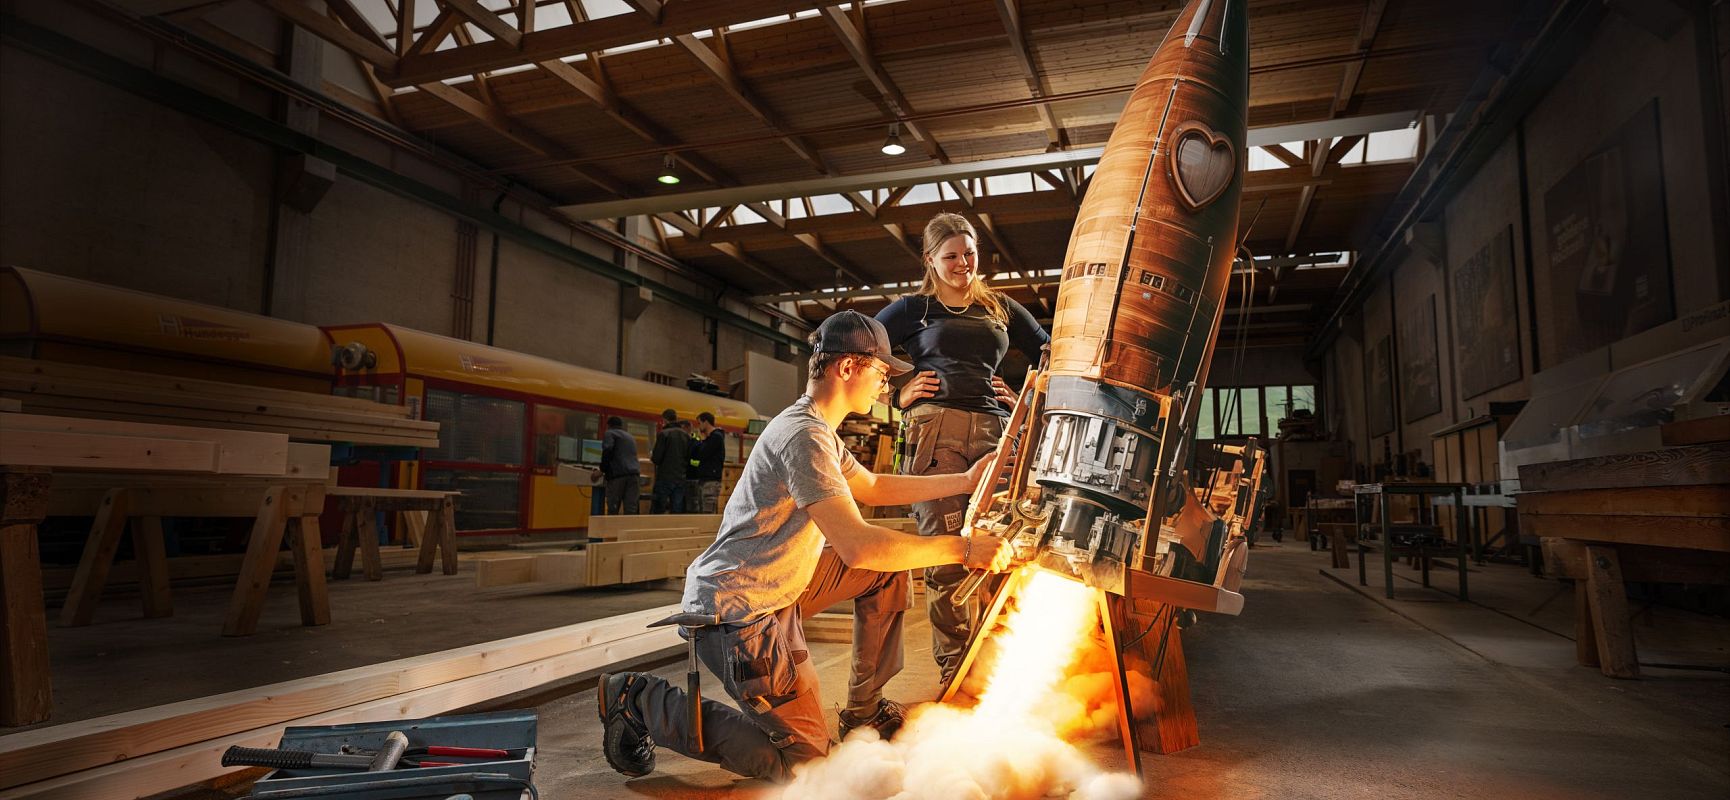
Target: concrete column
[301,182]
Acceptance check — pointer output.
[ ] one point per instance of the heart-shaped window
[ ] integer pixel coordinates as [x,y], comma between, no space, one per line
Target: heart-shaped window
[1202,164]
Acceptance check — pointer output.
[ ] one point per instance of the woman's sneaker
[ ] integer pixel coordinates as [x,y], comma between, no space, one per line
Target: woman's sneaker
[625,741]
[886,719]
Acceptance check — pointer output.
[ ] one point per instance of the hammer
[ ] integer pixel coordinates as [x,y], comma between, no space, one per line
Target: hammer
[691,622]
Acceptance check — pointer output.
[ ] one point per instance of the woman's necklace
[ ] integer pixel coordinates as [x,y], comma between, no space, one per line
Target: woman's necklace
[956,311]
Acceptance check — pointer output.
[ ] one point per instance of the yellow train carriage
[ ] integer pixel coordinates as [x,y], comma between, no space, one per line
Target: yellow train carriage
[507,420]
[56,318]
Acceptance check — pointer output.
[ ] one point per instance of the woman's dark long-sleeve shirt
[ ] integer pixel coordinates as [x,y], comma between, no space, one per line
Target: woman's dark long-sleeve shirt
[964,349]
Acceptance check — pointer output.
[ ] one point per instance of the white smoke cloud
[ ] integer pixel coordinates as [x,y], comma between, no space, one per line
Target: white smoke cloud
[1044,683]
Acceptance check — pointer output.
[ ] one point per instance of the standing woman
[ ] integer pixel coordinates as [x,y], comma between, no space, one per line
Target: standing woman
[955,330]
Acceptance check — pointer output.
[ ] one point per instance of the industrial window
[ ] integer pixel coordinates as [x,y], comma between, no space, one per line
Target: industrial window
[1251,411]
[553,423]
[476,428]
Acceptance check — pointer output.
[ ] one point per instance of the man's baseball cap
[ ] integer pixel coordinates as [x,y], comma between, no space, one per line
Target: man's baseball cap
[853,332]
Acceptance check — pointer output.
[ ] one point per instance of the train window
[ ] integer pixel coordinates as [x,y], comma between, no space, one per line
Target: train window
[644,432]
[476,428]
[491,500]
[552,422]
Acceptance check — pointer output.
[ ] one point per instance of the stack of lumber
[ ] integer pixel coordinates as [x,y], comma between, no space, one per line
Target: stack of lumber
[69,443]
[633,548]
[149,751]
[70,390]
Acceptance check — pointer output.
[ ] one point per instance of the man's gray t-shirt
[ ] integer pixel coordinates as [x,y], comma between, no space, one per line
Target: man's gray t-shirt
[767,548]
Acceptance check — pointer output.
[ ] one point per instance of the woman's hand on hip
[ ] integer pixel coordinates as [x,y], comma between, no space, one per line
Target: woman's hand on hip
[1004,394]
[923,385]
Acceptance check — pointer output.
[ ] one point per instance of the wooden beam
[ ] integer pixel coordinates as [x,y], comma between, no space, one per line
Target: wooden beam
[810,242]
[735,87]
[1699,533]
[1611,626]
[683,17]
[356,21]
[1367,28]
[328,29]
[493,24]
[1693,465]
[1280,152]
[1009,13]
[854,42]
[442,26]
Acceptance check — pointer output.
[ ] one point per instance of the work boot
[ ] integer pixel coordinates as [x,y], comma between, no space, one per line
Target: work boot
[886,719]
[626,739]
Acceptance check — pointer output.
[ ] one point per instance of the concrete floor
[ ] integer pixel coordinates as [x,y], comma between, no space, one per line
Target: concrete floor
[1319,690]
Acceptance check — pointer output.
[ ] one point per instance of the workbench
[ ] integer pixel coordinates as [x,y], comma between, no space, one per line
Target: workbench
[1661,516]
[360,505]
[1421,539]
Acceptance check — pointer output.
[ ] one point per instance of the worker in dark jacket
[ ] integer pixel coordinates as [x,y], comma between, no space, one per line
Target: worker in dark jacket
[708,453]
[669,455]
[619,468]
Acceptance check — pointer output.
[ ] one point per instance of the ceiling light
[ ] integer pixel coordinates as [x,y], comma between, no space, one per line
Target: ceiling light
[668,175]
[892,146]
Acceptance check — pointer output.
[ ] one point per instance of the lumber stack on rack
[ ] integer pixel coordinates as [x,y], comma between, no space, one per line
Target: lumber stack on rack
[96,444]
[153,750]
[71,390]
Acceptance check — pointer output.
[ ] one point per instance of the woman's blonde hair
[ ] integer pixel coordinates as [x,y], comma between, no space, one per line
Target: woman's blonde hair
[941,229]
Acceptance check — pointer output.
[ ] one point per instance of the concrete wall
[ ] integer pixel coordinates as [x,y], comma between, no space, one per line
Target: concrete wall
[1624,68]
[103,184]
[100,184]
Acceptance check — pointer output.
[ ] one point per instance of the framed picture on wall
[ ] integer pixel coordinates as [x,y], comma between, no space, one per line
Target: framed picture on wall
[1486,318]
[1609,244]
[1379,383]
[1420,375]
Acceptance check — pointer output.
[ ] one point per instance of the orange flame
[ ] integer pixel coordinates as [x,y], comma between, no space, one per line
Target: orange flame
[1011,745]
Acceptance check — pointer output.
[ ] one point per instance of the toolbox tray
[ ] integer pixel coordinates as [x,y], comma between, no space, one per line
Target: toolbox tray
[505,779]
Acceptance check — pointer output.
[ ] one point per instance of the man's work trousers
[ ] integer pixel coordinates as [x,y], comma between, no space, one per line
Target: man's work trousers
[622,494]
[709,497]
[669,497]
[766,667]
[942,441]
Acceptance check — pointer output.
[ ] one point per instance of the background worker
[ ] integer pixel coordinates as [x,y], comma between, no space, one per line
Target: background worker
[956,330]
[769,569]
[670,456]
[707,453]
[619,468]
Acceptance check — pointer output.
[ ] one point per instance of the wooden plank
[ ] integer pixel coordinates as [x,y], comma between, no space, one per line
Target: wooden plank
[646,534]
[1174,725]
[570,568]
[88,451]
[606,559]
[639,567]
[604,527]
[127,392]
[391,494]
[164,502]
[238,452]
[1566,558]
[80,750]
[1610,620]
[304,430]
[1661,501]
[98,556]
[1705,430]
[59,369]
[1702,533]
[495,572]
[1692,465]
[829,627]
